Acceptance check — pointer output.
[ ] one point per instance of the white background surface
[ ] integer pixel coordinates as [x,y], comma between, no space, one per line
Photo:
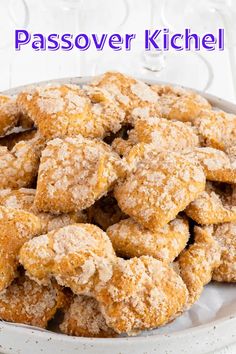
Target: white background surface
[27,66]
[46,16]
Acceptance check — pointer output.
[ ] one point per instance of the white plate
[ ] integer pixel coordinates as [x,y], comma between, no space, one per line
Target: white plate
[208,326]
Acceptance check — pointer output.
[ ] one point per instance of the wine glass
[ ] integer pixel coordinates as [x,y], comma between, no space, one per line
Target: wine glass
[182,68]
[187,68]
[204,16]
[84,16]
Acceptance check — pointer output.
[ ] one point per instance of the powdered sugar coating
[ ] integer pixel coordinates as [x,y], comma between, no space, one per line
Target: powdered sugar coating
[17,227]
[163,134]
[78,256]
[225,235]
[158,188]
[133,96]
[23,198]
[67,110]
[218,166]
[25,301]
[130,239]
[19,166]
[142,293]
[8,114]
[74,173]
[217,129]
[84,319]
[198,262]
[213,206]
[178,103]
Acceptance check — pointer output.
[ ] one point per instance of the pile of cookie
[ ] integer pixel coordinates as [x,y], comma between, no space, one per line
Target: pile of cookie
[117,204]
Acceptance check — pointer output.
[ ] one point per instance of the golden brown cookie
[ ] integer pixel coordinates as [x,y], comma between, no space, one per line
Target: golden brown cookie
[179,104]
[217,129]
[17,227]
[74,173]
[84,319]
[67,110]
[143,293]
[225,235]
[23,198]
[218,166]
[25,301]
[19,166]
[79,256]
[217,204]
[163,134]
[8,114]
[161,185]
[130,239]
[197,263]
[134,97]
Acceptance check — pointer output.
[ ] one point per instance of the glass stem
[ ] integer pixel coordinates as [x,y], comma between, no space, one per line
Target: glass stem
[154,60]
